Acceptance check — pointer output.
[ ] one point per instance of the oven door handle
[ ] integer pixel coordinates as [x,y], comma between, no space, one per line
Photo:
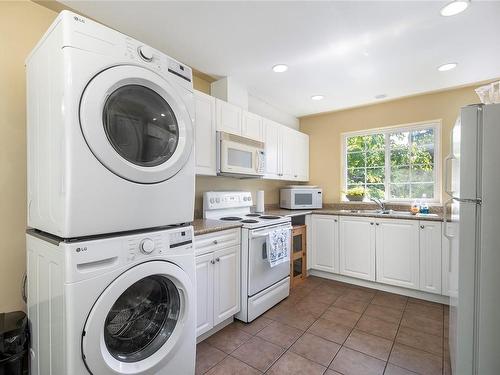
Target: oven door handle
[259,235]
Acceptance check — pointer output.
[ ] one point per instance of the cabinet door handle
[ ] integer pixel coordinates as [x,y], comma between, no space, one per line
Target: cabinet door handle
[422,226]
[335,220]
[378,223]
[215,242]
[217,259]
[212,261]
[371,223]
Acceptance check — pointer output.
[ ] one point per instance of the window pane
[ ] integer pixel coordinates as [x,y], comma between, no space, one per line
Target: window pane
[355,144]
[375,158]
[422,173]
[400,191]
[376,191]
[356,160]
[417,190]
[400,174]
[422,154]
[423,136]
[356,175]
[375,175]
[375,142]
[400,156]
[401,139]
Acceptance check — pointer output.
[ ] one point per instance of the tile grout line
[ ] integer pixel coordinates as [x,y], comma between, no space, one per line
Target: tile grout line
[395,337]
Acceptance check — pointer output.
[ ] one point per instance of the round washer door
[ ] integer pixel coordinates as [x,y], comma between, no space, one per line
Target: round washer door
[136,124]
[137,323]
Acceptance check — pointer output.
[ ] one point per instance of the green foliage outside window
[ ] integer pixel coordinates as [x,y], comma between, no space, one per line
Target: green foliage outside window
[410,164]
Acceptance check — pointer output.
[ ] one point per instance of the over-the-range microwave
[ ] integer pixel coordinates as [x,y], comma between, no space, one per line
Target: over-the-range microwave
[239,156]
[301,197]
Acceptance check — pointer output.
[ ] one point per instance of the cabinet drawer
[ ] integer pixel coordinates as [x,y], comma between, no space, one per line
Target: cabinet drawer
[207,243]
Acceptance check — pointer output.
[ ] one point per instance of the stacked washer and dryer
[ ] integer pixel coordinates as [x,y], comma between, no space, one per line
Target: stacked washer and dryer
[111,270]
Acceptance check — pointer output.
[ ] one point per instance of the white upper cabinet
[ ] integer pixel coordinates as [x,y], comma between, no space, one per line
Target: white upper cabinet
[397,244]
[205,136]
[325,243]
[357,247]
[430,256]
[228,117]
[302,157]
[288,142]
[251,126]
[272,149]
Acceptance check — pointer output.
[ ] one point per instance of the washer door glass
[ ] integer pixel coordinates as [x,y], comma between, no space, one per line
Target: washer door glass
[142,319]
[140,125]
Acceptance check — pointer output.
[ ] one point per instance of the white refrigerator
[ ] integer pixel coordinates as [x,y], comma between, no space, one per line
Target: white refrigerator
[472,179]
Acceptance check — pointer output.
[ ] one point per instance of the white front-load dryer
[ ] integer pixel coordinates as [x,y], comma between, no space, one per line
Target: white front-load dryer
[112,305]
[110,133]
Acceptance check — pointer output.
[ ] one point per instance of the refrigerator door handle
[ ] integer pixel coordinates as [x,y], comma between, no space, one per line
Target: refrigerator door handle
[448,236]
[447,160]
[445,221]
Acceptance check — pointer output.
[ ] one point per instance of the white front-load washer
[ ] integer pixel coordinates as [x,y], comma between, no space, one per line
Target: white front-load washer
[110,133]
[112,305]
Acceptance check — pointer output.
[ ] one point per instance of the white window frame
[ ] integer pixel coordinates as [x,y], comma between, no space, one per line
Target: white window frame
[435,124]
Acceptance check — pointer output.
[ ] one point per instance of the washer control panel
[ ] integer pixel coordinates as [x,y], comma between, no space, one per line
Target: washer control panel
[158,243]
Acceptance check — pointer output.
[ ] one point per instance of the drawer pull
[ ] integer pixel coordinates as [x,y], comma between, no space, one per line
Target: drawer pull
[212,261]
[217,259]
[215,242]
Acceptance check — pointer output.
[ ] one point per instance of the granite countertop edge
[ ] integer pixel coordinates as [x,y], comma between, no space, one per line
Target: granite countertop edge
[329,211]
[205,226]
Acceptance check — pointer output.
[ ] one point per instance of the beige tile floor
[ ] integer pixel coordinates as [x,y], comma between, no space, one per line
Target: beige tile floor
[328,327]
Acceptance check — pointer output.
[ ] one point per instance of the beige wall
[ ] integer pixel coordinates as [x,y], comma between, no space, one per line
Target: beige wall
[325,129]
[22,23]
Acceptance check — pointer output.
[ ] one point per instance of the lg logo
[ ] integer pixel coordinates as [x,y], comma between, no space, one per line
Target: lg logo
[79,249]
[76,18]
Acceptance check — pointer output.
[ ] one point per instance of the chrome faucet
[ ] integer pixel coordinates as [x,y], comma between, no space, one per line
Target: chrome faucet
[379,203]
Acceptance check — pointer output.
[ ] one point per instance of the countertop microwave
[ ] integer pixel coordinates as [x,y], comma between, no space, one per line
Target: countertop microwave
[301,197]
[239,156]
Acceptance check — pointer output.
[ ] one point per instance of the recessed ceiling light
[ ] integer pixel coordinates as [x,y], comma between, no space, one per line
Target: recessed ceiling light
[280,68]
[455,7]
[380,96]
[446,67]
[317,97]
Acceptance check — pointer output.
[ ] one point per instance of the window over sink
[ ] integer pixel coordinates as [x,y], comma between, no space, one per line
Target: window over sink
[398,164]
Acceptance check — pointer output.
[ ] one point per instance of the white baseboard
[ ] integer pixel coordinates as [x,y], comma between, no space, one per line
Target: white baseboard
[216,329]
[386,288]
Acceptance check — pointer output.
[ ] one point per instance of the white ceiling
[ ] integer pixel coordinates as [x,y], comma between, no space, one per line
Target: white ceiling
[347,51]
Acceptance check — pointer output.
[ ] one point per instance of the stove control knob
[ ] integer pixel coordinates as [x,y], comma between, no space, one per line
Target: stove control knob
[146,53]
[147,246]
[212,200]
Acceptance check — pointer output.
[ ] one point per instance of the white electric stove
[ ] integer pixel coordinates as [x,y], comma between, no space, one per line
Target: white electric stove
[262,287]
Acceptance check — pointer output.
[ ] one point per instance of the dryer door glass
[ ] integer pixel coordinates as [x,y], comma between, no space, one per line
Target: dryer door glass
[142,319]
[140,125]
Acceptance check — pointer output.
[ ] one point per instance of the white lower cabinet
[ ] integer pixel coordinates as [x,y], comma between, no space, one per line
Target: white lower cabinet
[430,233]
[204,293]
[325,243]
[397,249]
[405,253]
[226,283]
[217,279]
[357,247]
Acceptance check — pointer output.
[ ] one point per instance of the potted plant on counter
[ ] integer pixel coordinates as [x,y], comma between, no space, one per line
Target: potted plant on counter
[355,194]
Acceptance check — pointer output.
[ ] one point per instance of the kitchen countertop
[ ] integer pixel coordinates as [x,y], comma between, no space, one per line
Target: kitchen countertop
[204,226]
[330,211]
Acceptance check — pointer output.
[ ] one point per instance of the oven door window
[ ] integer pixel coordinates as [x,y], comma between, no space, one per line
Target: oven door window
[301,199]
[239,158]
